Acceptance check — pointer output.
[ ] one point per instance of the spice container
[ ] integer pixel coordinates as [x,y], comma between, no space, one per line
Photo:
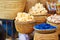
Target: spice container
[24,23]
[29,4]
[45,28]
[51,6]
[55,21]
[39,13]
[45,32]
[40,18]
[58,8]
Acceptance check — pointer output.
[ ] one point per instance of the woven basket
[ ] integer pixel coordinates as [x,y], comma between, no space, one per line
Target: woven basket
[40,18]
[52,36]
[24,27]
[29,4]
[55,24]
[9,8]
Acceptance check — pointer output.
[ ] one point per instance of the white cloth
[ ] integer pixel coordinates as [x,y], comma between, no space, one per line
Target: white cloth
[23,36]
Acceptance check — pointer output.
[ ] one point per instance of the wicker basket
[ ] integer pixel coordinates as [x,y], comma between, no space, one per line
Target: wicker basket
[9,8]
[26,27]
[55,24]
[40,18]
[29,4]
[52,36]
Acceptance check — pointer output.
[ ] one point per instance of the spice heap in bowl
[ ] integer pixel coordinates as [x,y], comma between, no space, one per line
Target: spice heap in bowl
[24,23]
[45,28]
[39,13]
[24,17]
[54,18]
[55,21]
[38,9]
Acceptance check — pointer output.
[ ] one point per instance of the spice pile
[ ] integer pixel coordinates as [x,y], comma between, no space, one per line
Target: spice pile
[38,9]
[44,26]
[54,18]
[24,17]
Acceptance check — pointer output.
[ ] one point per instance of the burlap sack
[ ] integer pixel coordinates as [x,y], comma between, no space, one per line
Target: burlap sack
[39,36]
[9,8]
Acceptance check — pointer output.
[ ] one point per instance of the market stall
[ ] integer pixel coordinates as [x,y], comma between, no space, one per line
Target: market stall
[30,19]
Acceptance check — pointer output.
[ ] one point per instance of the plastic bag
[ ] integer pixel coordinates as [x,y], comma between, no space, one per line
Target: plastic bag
[23,36]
